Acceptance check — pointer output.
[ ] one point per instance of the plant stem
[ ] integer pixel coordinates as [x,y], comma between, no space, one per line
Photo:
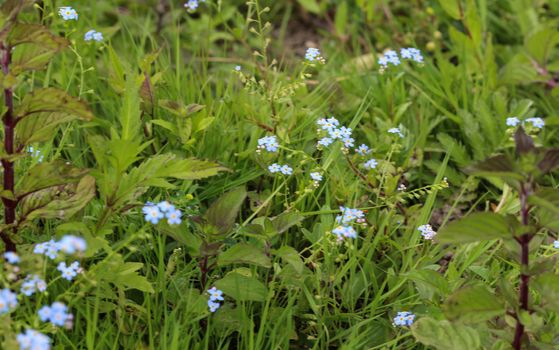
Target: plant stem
[524,242]
[9,126]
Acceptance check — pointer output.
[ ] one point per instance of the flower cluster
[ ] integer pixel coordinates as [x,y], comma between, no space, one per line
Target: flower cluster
[11,258]
[269,143]
[215,296]
[93,35]
[31,284]
[363,150]
[69,271]
[427,231]
[403,319]
[68,13]
[155,212]
[313,55]
[192,5]
[68,244]
[391,57]
[345,222]
[370,164]
[8,301]
[57,314]
[284,169]
[329,128]
[537,122]
[33,340]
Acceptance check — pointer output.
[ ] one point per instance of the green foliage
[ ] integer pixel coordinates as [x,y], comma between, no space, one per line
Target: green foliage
[445,335]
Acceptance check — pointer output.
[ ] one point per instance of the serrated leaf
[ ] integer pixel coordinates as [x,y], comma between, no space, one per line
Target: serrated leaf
[59,202]
[547,198]
[473,304]
[129,115]
[428,282]
[191,169]
[32,56]
[122,274]
[28,33]
[243,253]
[550,160]
[547,286]
[524,143]
[474,228]
[46,175]
[242,288]
[223,212]
[541,43]
[442,335]
[500,166]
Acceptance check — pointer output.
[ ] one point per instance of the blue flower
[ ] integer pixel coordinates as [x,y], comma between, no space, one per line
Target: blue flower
[286,170]
[345,232]
[165,206]
[313,54]
[370,164]
[68,13]
[213,305]
[191,5]
[349,215]
[152,213]
[8,300]
[269,143]
[31,284]
[536,122]
[50,249]
[274,168]
[363,150]
[57,314]
[427,231]
[93,35]
[396,131]
[316,177]
[70,244]
[325,142]
[69,271]
[33,340]
[238,68]
[11,258]
[513,121]
[174,217]
[556,244]
[35,153]
[215,294]
[404,318]
[348,142]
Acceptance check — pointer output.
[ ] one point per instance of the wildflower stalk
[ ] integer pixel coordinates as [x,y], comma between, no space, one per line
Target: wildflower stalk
[524,241]
[8,165]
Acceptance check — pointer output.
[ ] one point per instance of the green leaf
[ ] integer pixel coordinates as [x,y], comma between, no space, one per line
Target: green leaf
[243,253]
[310,5]
[451,7]
[130,112]
[47,175]
[223,212]
[191,169]
[122,274]
[541,43]
[179,109]
[429,282]
[524,143]
[286,220]
[42,110]
[27,33]
[547,198]
[35,56]
[291,256]
[474,228]
[241,287]
[59,202]
[473,304]
[442,335]
[547,286]
[340,20]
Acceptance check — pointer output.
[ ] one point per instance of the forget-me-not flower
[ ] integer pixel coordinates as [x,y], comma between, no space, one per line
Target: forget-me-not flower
[427,231]
[31,284]
[12,258]
[404,318]
[512,121]
[68,13]
[536,122]
[8,300]
[93,35]
[370,164]
[33,340]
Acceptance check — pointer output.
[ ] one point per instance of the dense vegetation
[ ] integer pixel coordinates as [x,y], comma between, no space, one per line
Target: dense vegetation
[298,174]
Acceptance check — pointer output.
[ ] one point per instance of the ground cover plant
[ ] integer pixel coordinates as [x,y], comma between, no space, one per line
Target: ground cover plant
[303,174]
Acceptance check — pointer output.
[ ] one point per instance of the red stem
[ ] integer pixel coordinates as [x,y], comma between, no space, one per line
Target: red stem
[9,126]
[524,289]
